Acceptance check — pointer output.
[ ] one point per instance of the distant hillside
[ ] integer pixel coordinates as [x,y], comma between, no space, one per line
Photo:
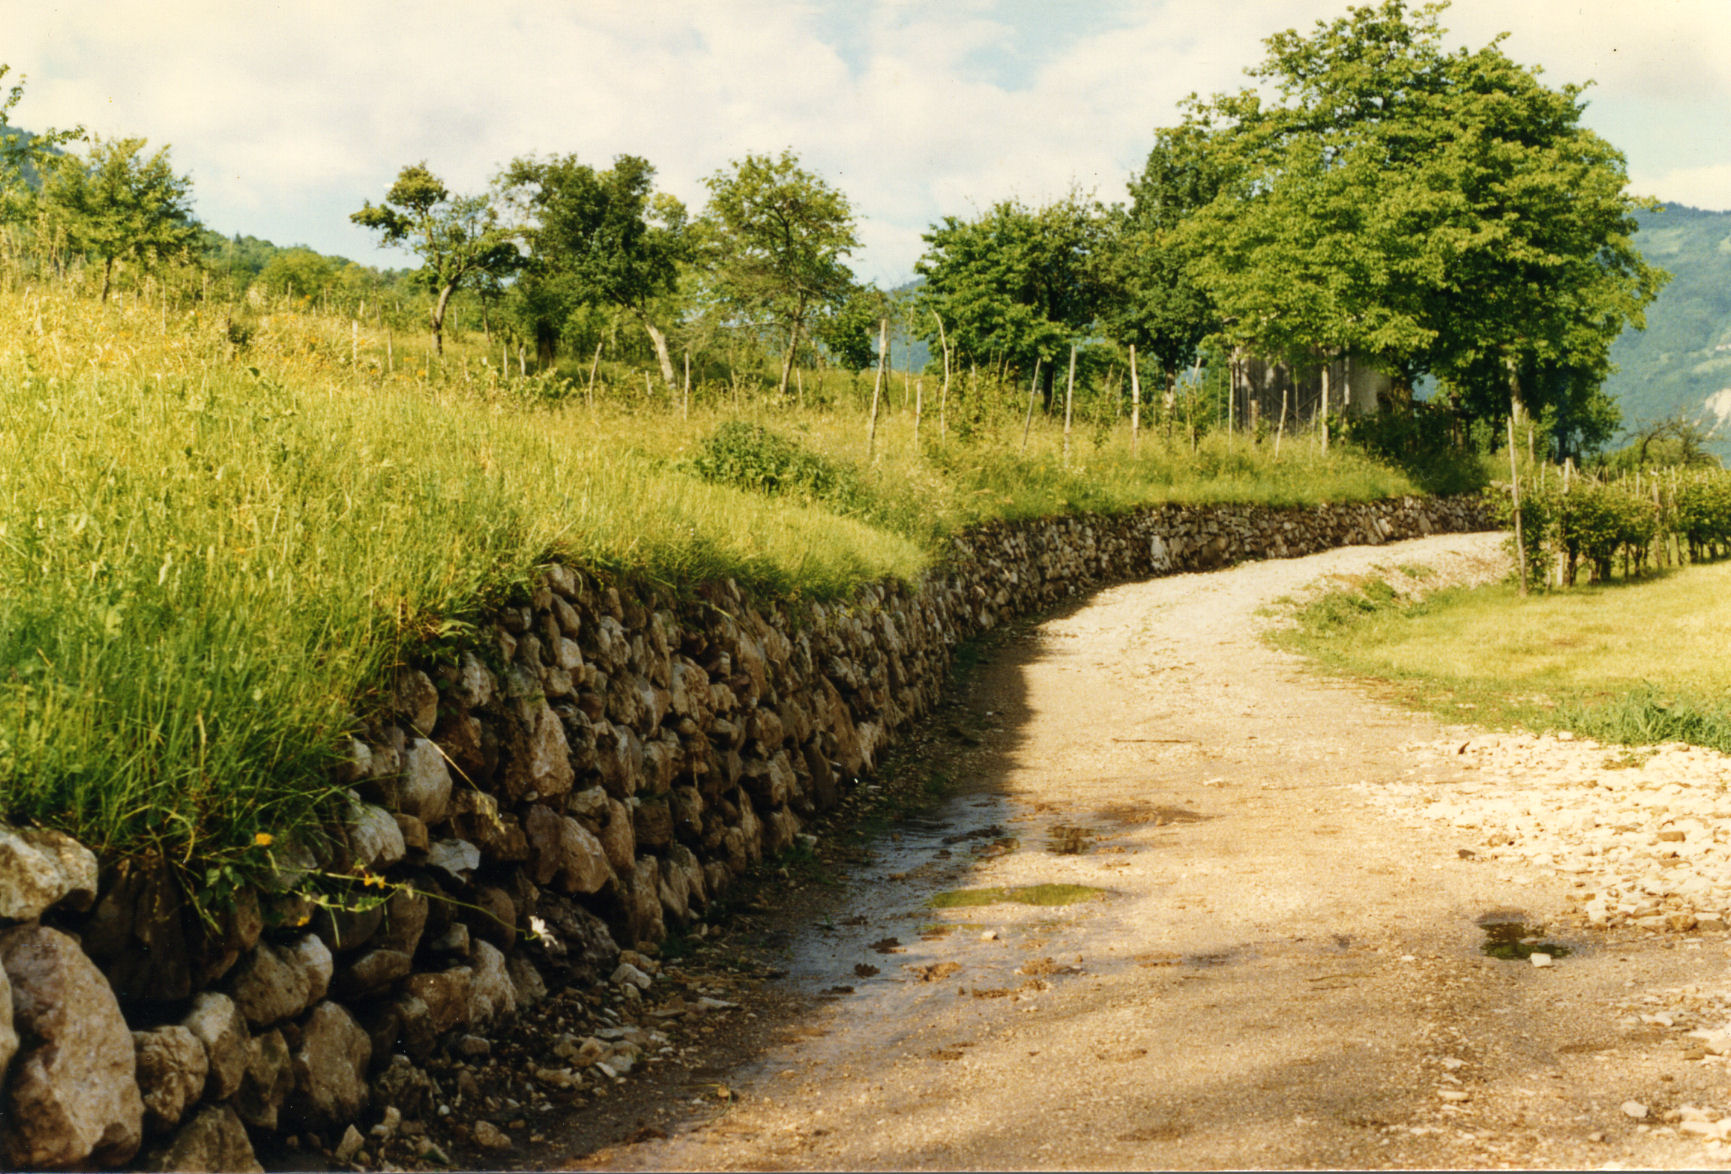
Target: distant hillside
[1682,361]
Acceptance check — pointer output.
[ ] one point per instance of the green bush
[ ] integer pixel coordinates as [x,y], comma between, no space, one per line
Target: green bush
[747,455]
[1702,511]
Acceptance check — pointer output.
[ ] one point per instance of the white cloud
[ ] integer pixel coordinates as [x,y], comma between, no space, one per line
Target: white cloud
[287,115]
[1699,187]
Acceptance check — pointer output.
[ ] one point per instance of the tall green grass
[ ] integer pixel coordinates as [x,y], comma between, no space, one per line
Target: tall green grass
[212,552]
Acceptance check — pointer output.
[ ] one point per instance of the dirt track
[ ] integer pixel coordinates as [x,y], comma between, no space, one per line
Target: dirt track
[1277,973]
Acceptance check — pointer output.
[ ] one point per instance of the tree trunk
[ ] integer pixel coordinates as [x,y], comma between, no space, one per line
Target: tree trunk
[662,358]
[792,346]
[107,277]
[438,314]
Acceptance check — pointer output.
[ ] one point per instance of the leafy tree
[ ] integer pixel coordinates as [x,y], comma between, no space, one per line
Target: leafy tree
[299,273]
[116,203]
[600,237]
[1445,212]
[1153,298]
[775,237]
[458,238]
[1676,441]
[848,329]
[1017,284]
[22,154]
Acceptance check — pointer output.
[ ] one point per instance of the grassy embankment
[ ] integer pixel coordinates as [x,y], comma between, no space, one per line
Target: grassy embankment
[1635,661]
[211,555]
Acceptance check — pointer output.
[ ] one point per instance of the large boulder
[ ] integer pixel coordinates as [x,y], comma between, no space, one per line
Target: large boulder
[492,994]
[375,840]
[39,869]
[73,1092]
[423,789]
[217,1023]
[172,1067]
[275,983]
[214,1141]
[330,1069]
[266,1081]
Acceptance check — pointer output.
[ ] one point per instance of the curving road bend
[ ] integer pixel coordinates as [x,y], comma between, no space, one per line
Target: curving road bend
[1273,972]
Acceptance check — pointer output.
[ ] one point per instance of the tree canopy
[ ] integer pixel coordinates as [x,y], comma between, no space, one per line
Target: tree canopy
[116,203]
[459,239]
[1443,212]
[1152,298]
[602,237]
[1015,285]
[775,238]
[23,155]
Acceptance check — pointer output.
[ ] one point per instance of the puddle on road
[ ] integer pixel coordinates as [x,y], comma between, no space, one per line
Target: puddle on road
[1511,937]
[1064,840]
[1021,895]
[1514,942]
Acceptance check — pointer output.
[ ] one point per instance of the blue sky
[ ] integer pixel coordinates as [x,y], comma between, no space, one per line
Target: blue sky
[289,116]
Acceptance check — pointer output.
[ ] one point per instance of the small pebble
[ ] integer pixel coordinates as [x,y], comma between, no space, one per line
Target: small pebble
[1539,960]
[1635,1109]
[991,935]
[350,1145]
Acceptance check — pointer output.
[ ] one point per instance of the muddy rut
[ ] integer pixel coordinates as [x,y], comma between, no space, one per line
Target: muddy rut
[1235,957]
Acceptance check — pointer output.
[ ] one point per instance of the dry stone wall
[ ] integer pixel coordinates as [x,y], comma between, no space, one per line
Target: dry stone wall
[601,768]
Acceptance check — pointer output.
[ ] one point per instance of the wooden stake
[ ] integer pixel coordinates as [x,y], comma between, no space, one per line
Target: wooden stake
[1323,409]
[1135,404]
[1515,494]
[594,366]
[1033,386]
[877,387]
[1280,428]
[685,410]
[919,407]
[1069,400]
[944,397]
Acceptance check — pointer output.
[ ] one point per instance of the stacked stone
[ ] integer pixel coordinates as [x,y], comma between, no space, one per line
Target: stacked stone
[603,764]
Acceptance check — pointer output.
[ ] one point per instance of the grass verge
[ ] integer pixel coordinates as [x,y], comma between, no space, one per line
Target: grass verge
[1630,661]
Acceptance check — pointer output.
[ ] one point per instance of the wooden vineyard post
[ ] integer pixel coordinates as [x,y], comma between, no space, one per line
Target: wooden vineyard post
[1033,386]
[943,396]
[1280,428]
[594,366]
[877,387]
[1322,409]
[1135,405]
[1515,495]
[1069,400]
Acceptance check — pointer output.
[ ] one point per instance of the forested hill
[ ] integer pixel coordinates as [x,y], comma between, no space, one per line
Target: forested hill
[1682,361]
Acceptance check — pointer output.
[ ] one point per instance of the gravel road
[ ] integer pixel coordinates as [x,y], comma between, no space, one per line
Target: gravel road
[1277,961]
